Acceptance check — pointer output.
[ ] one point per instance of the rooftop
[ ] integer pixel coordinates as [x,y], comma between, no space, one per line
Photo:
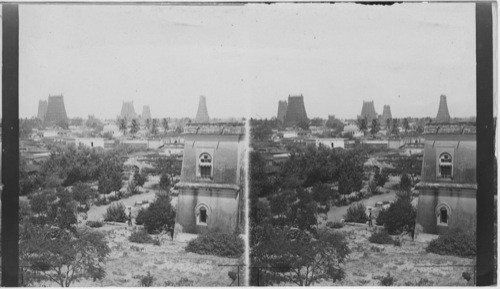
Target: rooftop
[235,128]
[450,129]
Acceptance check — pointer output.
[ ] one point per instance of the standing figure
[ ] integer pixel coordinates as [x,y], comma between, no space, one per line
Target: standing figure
[370,223]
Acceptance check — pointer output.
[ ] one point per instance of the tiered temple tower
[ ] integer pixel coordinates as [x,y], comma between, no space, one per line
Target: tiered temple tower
[368,111]
[386,114]
[443,116]
[296,111]
[282,106]
[202,114]
[42,109]
[146,112]
[56,112]
[128,110]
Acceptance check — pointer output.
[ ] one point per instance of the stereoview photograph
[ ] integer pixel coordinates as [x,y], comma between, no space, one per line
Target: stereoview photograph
[133,147]
[363,146]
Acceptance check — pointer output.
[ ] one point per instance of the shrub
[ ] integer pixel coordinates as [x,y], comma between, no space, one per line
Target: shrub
[116,213]
[387,280]
[372,187]
[335,225]
[381,178]
[158,215]
[382,216]
[400,217]
[141,237]
[145,280]
[381,237]
[132,188]
[183,282]
[218,244]
[456,242]
[356,213]
[139,220]
[140,178]
[94,224]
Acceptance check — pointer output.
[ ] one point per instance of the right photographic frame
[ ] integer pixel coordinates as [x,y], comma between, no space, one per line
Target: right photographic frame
[367,127]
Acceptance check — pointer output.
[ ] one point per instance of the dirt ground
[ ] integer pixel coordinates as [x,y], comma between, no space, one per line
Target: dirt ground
[168,262]
[409,264]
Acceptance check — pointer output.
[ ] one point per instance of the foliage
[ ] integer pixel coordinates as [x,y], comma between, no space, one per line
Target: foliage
[154,126]
[317,121]
[300,258]
[141,236]
[54,208]
[351,173]
[406,125]
[294,208]
[381,237]
[182,282]
[356,213]
[303,124]
[145,280]
[110,172]
[387,280]
[336,125]
[395,126]
[61,256]
[381,178]
[164,124]
[164,183]
[362,124]
[218,244]
[457,242]
[122,125]
[140,178]
[262,130]
[159,214]
[260,183]
[116,213]
[404,187]
[375,127]
[335,225]
[134,127]
[94,224]
[83,193]
[400,217]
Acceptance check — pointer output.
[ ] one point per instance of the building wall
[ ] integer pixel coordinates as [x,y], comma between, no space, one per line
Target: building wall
[223,209]
[90,142]
[461,201]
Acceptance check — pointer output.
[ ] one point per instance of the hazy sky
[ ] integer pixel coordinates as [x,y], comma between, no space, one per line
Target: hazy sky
[246,58]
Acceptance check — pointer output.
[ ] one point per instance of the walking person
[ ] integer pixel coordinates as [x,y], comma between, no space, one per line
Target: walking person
[370,222]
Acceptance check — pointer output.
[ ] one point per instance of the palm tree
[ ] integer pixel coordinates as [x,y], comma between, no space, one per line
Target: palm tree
[154,127]
[165,125]
[147,125]
[406,125]
[395,126]
[363,124]
[122,125]
[134,127]
[375,127]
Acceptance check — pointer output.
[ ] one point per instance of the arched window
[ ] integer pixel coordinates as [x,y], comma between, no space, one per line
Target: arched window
[202,212]
[205,163]
[443,213]
[445,166]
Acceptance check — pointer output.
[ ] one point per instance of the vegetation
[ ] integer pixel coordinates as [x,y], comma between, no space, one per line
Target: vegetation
[335,225]
[140,178]
[381,237]
[387,280]
[116,213]
[142,237]
[457,242]
[94,224]
[159,215]
[400,217]
[356,213]
[145,280]
[218,244]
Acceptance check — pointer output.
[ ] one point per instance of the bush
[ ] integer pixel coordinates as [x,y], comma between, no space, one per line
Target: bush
[145,280]
[158,215]
[335,225]
[218,244]
[382,216]
[139,220]
[456,242]
[132,188]
[381,237]
[387,280]
[140,178]
[400,217]
[356,213]
[381,178]
[94,224]
[141,237]
[116,213]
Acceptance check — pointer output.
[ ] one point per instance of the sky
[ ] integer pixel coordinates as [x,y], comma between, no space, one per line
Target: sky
[245,58]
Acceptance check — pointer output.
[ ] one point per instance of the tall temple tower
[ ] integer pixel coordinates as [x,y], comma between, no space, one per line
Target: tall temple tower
[368,111]
[443,116]
[42,109]
[386,114]
[295,111]
[202,114]
[282,106]
[56,112]
[128,110]
[146,112]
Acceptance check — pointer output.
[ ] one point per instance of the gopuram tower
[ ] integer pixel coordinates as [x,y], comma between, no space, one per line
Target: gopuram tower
[56,112]
[128,110]
[368,111]
[146,112]
[282,106]
[202,114]
[42,109]
[295,111]
[443,116]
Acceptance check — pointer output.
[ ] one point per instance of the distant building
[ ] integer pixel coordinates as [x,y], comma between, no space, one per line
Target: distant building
[128,110]
[368,111]
[295,111]
[56,112]
[90,142]
[146,112]
[42,110]
[211,187]
[386,114]
[443,116]
[331,142]
[448,187]
[282,107]
[202,114]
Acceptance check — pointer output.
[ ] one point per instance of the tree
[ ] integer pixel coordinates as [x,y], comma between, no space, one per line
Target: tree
[147,124]
[351,173]
[375,127]
[154,126]
[400,217]
[61,256]
[122,125]
[159,214]
[164,183]
[395,126]
[110,175]
[406,125]
[409,165]
[298,257]
[336,125]
[363,124]
[164,123]
[260,130]
[140,178]
[83,193]
[303,124]
[134,127]
[317,121]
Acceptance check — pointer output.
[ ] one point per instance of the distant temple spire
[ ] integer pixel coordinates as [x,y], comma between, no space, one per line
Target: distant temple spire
[56,112]
[146,112]
[42,109]
[282,106]
[295,111]
[202,114]
[368,111]
[443,116]
[386,114]
[128,110]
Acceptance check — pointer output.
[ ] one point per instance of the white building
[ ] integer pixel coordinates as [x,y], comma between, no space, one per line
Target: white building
[331,142]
